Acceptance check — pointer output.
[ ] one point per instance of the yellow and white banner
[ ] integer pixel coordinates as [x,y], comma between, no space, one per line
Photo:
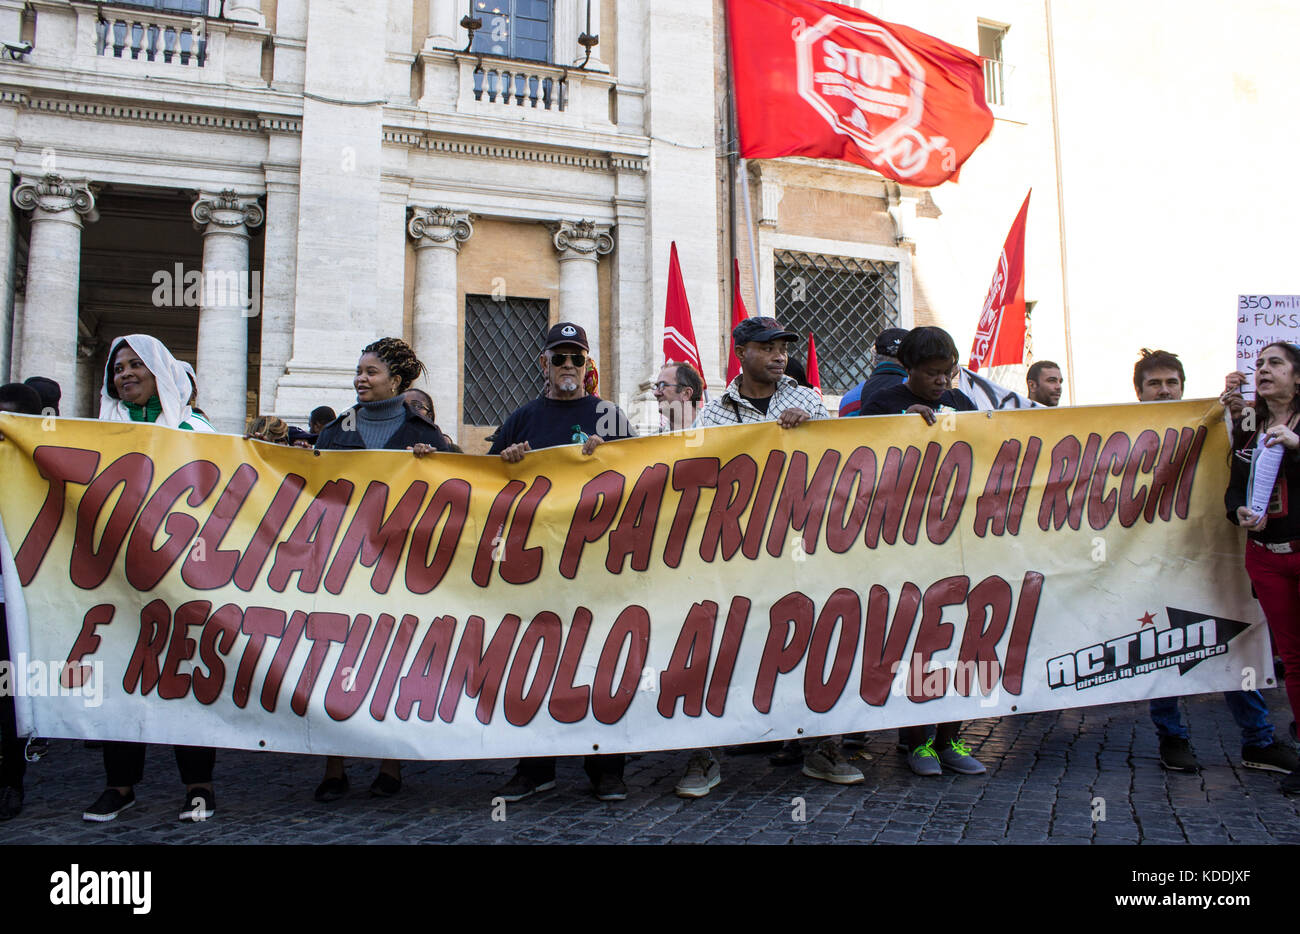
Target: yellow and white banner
[715,587]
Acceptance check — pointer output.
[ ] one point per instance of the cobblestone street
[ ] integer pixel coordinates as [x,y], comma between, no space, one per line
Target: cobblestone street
[1046,772]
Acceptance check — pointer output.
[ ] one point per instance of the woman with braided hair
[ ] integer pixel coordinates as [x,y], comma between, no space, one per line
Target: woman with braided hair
[379,420]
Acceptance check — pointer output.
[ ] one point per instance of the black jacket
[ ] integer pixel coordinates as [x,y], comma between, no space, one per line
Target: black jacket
[415,430]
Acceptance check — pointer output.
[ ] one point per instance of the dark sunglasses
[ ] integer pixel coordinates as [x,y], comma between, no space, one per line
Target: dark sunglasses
[579,359]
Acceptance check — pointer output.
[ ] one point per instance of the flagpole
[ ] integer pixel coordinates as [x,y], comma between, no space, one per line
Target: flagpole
[749,229]
[743,173]
[1060,206]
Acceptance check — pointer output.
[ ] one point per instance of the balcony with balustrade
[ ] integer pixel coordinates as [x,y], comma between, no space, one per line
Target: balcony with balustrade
[511,91]
[138,42]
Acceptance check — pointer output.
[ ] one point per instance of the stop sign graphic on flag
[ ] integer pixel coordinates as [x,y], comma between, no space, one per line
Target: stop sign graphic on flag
[828,81]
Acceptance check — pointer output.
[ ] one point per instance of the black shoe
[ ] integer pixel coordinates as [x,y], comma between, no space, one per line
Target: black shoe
[609,787]
[854,741]
[108,805]
[1176,755]
[385,785]
[789,754]
[1275,757]
[200,804]
[1291,784]
[11,803]
[332,789]
[522,786]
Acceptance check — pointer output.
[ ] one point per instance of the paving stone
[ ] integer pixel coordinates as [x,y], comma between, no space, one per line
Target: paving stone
[1045,771]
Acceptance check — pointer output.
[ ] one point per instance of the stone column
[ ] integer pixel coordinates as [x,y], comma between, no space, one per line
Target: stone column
[438,233]
[246,11]
[85,401]
[581,245]
[49,327]
[8,277]
[279,273]
[227,301]
[571,20]
[340,230]
[444,25]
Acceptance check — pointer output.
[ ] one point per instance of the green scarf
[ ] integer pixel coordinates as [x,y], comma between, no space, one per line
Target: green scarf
[149,412]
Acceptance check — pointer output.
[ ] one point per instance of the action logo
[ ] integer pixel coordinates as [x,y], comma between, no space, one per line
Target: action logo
[1189,639]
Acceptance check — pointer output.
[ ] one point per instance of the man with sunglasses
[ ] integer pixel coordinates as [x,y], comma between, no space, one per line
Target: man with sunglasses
[563,414]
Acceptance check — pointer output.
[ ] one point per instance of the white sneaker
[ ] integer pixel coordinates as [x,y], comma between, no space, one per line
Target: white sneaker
[829,763]
[702,775]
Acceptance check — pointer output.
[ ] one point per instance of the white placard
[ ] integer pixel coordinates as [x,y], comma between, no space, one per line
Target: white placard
[1263,320]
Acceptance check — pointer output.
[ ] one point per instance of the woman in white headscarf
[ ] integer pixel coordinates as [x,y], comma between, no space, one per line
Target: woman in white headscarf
[143,382]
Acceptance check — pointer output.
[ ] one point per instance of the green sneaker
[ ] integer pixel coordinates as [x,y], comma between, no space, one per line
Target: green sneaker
[924,760]
[956,756]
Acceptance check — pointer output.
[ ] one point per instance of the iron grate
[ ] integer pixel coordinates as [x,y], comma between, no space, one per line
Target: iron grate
[503,340]
[845,303]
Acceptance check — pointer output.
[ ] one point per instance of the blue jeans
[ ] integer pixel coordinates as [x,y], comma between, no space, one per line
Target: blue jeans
[1247,708]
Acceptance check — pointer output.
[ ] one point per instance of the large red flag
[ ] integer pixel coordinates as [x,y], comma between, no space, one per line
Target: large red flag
[814,373]
[830,82]
[679,333]
[738,314]
[1000,335]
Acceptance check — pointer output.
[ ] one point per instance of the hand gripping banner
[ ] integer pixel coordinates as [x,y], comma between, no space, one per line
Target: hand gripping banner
[713,587]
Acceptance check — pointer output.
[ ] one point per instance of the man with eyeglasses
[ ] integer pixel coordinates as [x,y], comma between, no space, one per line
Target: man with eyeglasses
[563,414]
[678,390]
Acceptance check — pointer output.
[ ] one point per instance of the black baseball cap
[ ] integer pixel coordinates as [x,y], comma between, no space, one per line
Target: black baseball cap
[566,332]
[48,390]
[761,330]
[889,340]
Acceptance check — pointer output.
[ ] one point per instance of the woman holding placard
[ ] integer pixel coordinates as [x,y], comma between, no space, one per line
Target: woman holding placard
[1265,478]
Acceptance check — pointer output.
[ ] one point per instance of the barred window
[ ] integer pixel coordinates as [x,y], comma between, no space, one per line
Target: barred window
[503,340]
[990,39]
[845,303]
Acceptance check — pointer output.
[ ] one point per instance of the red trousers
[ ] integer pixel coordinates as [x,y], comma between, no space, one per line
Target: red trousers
[1277,584]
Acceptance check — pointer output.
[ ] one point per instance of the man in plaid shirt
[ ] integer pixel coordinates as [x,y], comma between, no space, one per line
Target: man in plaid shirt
[762,392]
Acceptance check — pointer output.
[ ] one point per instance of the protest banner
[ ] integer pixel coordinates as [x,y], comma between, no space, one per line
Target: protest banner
[721,586]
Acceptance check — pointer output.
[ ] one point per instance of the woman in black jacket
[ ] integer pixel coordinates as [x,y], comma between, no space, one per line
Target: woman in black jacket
[379,420]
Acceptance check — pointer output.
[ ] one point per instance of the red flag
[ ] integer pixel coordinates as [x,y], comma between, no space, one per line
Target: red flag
[679,334]
[830,82]
[738,314]
[814,374]
[1000,335]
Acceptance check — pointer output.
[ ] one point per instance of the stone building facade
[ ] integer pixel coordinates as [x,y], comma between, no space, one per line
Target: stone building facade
[269,185]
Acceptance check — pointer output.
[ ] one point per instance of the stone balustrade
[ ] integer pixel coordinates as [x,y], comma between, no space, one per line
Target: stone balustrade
[131,43]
